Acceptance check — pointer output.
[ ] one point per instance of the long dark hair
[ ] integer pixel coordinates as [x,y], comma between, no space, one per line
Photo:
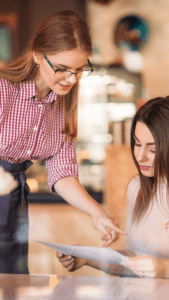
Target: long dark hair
[155,115]
[61,31]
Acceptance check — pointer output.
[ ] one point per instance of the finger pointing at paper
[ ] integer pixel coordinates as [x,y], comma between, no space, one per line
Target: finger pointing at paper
[108,227]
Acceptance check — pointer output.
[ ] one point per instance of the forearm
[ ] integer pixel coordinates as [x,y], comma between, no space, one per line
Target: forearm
[100,266]
[75,194]
[111,269]
[148,266]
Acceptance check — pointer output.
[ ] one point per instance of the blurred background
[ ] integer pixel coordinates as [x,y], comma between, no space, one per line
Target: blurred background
[131,65]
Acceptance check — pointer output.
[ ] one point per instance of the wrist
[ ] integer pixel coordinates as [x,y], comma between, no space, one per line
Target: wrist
[97,210]
[88,262]
[85,262]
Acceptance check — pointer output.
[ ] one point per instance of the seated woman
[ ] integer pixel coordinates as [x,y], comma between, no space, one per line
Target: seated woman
[147,198]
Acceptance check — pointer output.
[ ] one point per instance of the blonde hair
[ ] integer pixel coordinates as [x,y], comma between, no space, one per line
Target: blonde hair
[61,31]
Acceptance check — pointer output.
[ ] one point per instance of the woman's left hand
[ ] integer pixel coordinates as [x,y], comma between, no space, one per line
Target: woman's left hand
[108,227]
[146,266]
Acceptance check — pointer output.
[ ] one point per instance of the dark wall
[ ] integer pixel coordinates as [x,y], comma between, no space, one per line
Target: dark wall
[31,12]
[21,9]
[42,8]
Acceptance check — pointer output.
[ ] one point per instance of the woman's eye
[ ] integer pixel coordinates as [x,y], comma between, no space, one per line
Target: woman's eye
[138,145]
[60,70]
[152,151]
[56,69]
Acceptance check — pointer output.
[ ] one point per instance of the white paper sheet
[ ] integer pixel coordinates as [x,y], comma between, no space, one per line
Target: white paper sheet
[100,254]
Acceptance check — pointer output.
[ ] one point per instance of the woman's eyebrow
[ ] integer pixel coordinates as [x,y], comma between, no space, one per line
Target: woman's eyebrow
[66,67]
[149,144]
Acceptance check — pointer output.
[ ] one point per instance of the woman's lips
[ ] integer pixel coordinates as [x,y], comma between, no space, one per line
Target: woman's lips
[65,87]
[144,167]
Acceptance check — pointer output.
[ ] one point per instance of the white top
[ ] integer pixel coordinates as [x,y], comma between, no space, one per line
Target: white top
[151,235]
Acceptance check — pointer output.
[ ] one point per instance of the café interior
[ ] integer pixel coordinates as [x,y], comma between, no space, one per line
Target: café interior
[131,65]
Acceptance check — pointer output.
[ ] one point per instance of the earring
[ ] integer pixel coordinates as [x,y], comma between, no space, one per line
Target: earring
[37,65]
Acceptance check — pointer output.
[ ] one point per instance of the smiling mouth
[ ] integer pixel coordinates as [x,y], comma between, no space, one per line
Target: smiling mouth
[144,167]
[65,86]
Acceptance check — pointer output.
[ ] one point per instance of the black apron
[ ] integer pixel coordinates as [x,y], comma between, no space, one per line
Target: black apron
[14,222]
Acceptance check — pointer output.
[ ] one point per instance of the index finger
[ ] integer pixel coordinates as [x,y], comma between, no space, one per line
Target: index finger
[113,227]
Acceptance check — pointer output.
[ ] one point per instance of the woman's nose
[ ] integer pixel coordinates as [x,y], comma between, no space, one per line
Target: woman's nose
[142,155]
[72,79]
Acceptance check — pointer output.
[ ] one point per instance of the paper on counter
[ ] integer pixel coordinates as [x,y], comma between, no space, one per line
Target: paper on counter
[100,254]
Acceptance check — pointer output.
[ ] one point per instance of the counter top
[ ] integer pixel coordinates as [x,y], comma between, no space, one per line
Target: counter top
[44,287]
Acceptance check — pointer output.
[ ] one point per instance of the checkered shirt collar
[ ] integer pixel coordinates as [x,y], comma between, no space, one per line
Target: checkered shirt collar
[28,90]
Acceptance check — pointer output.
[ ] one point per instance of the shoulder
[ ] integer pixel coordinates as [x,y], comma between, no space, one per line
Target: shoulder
[134,183]
[7,92]
[133,187]
[5,85]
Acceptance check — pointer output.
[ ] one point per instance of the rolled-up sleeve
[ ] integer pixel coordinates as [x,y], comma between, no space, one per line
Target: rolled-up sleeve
[62,164]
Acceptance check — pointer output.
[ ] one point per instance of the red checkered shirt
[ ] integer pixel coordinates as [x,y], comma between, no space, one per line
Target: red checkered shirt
[31,130]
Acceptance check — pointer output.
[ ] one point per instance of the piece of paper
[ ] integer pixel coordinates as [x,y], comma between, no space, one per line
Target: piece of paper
[100,254]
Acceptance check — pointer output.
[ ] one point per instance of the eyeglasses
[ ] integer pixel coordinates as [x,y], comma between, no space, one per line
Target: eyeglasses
[65,74]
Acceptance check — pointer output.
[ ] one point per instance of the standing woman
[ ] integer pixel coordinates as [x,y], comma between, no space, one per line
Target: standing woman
[38,115]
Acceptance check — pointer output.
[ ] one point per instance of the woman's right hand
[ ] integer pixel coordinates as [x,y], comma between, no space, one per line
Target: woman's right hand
[7,182]
[71,263]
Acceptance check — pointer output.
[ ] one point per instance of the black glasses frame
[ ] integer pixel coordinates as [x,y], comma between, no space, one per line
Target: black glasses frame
[92,69]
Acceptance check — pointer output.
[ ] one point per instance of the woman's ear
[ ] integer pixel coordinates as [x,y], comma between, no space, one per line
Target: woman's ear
[37,56]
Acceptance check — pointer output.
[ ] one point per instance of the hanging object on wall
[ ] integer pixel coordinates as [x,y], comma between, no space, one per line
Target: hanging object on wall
[130,33]
[108,25]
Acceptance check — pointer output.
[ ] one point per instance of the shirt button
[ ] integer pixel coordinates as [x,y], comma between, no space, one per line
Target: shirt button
[35,128]
[39,102]
[29,152]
